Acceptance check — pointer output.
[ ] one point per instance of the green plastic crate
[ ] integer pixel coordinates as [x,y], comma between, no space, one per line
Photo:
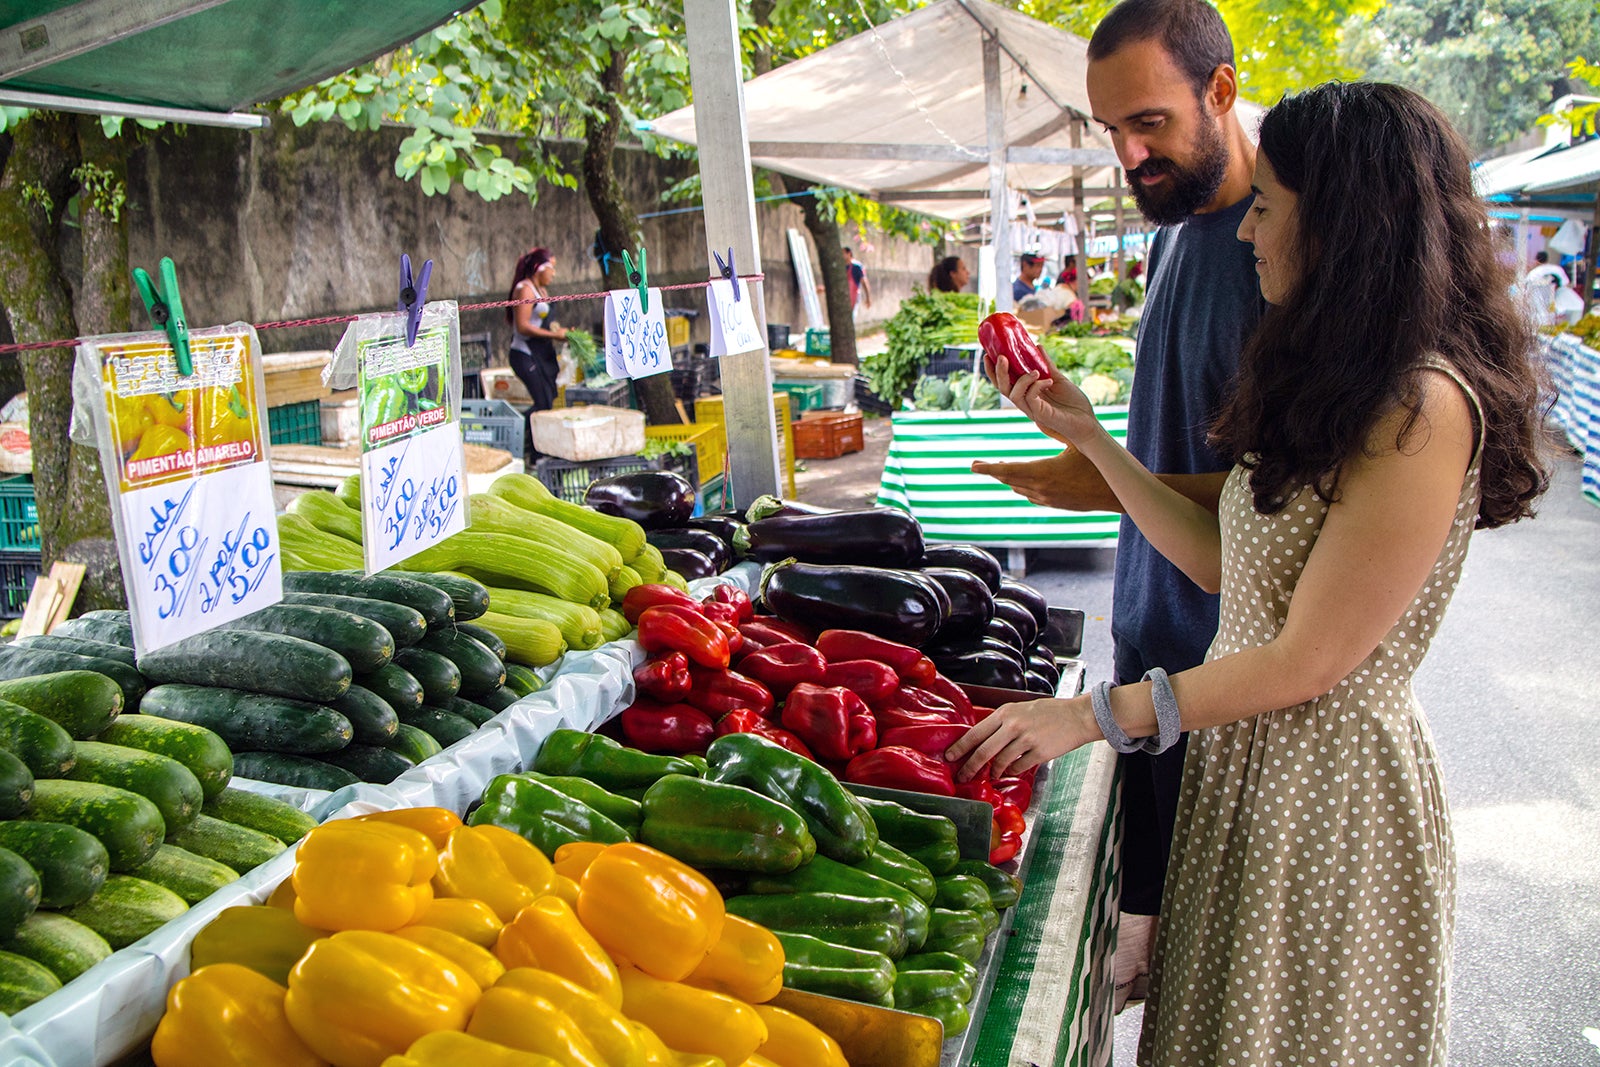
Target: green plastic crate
[19,515]
[801,397]
[17,572]
[818,342]
[295,424]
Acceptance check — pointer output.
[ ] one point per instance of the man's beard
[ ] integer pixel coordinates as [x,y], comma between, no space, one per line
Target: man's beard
[1187,189]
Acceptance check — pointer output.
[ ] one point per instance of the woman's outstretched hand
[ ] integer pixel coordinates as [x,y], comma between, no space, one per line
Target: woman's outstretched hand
[1019,736]
[1056,406]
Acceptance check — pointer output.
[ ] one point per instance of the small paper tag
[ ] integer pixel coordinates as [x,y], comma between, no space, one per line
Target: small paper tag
[413,495]
[636,340]
[733,322]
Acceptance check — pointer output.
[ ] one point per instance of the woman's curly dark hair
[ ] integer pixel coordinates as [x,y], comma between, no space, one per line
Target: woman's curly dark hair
[1397,264]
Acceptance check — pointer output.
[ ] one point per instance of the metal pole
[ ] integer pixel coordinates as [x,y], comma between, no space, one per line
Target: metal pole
[1122,230]
[730,217]
[994,106]
[1083,221]
[1591,277]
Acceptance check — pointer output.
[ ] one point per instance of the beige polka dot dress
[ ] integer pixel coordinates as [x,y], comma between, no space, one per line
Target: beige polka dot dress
[1308,907]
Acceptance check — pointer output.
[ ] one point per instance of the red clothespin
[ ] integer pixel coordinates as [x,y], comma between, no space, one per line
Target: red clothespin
[413,296]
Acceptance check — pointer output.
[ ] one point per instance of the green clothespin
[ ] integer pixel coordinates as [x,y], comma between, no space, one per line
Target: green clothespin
[638,278]
[166,310]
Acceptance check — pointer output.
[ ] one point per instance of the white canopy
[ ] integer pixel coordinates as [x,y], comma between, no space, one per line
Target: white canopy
[1558,170]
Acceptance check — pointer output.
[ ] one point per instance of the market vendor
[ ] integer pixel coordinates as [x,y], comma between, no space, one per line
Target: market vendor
[1027,282]
[534,329]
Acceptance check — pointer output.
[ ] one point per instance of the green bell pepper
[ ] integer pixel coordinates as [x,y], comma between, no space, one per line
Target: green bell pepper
[963,892]
[713,824]
[701,768]
[815,966]
[823,875]
[626,813]
[929,839]
[1005,888]
[873,923]
[385,402]
[940,961]
[842,828]
[937,994]
[958,932]
[604,762]
[543,815]
[889,862]
[413,380]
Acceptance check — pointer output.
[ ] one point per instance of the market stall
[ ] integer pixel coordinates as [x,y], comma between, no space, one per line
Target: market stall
[1575,409]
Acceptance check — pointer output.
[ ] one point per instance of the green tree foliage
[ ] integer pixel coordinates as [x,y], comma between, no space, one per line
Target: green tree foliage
[1581,119]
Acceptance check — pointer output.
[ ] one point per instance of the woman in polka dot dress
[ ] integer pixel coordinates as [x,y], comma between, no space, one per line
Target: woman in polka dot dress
[1384,409]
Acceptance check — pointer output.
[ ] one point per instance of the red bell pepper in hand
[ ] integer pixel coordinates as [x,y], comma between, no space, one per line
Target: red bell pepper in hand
[898,767]
[641,597]
[738,598]
[672,628]
[671,728]
[930,740]
[720,692]
[782,667]
[868,679]
[771,630]
[1003,336]
[1018,791]
[940,686]
[664,678]
[745,721]
[910,664]
[835,722]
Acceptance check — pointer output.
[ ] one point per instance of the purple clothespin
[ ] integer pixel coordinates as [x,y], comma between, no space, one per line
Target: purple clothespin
[728,272]
[413,296]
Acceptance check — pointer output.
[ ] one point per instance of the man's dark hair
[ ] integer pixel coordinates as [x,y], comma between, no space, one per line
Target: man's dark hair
[1190,31]
[1029,259]
[846,248]
[1541,256]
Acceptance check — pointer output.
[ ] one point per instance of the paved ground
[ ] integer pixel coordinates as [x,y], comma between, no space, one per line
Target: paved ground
[1511,693]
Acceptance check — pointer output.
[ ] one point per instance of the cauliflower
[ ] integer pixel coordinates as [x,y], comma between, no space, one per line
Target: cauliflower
[1101,389]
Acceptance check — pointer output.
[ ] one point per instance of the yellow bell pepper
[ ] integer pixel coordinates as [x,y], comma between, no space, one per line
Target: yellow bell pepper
[352,875]
[574,857]
[656,1052]
[746,962]
[692,1020]
[132,416]
[496,866]
[566,889]
[526,1021]
[795,1042]
[547,935]
[448,1048]
[696,1059]
[471,919]
[360,995]
[267,940]
[172,409]
[613,1036]
[160,440]
[283,896]
[222,416]
[477,961]
[648,909]
[433,823]
[758,1060]
[226,1015]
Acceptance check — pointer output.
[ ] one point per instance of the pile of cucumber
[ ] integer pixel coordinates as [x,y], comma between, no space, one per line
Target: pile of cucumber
[110,825]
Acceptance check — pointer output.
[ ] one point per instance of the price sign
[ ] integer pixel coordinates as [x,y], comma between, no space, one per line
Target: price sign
[185,462]
[413,476]
[733,322]
[636,340]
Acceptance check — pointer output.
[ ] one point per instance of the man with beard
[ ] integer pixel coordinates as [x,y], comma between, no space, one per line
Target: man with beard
[1162,83]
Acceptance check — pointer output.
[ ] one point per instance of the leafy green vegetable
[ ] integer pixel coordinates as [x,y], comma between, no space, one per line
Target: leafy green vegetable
[925,324]
[585,353]
[973,392]
[932,394]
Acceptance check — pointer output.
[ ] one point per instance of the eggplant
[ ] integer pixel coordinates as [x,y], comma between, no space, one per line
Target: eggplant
[1019,617]
[1034,682]
[1001,630]
[656,500]
[897,605]
[941,650]
[765,507]
[874,537]
[1046,666]
[971,606]
[699,540]
[984,668]
[968,558]
[1028,597]
[939,594]
[724,526]
[689,562]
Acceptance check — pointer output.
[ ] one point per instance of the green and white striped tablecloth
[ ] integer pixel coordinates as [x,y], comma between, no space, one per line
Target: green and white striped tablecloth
[928,473]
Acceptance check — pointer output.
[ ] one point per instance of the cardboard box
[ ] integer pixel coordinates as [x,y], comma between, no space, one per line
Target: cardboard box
[500,383]
[1040,318]
[588,432]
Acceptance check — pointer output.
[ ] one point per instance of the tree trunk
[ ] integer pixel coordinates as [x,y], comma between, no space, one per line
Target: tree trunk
[619,225]
[835,279]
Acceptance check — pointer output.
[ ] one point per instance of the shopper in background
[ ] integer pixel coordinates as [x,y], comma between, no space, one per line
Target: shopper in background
[1162,82]
[949,275]
[1309,908]
[1550,274]
[534,332]
[1067,283]
[859,289]
[1030,266]
[1068,279]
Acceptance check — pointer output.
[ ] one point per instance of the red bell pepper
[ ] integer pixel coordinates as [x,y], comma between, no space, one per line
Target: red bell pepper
[782,667]
[1018,791]
[910,664]
[672,728]
[941,686]
[673,628]
[664,678]
[898,767]
[771,630]
[725,614]
[641,597]
[1009,818]
[979,789]
[719,692]
[1003,336]
[835,722]
[980,713]
[738,598]
[868,679]
[911,698]
[1005,833]
[889,716]
[745,721]
[930,740]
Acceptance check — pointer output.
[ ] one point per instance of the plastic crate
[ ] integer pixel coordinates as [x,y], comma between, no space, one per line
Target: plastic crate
[709,409]
[713,496]
[710,447]
[17,572]
[570,480]
[19,515]
[295,424]
[618,394]
[494,423]
[827,435]
[871,402]
[818,342]
[802,397]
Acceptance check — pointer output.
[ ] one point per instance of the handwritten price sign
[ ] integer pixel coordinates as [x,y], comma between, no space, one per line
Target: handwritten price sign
[733,322]
[636,340]
[413,495]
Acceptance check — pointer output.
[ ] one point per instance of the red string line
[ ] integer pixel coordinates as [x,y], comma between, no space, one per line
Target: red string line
[334,320]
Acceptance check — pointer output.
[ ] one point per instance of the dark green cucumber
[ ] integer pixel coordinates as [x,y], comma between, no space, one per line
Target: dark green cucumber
[481,670]
[470,598]
[476,714]
[71,863]
[439,677]
[371,717]
[16,786]
[64,947]
[405,625]
[83,703]
[1005,888]
[19,891]
[499,700]
[239,847]
[197,748]
[484,636]
[111,631]
[371,763]
[252,721]
[414,743]
[445,727]
[81,646]
[127,909]
[522,680]
[286,769]
[435,605]
[396,686]
[43,746]
[23,982]
[161,780]
[27,662]
[190,875]
[127,824]
[362,642]
[274,664]
[260,812]
[118,614]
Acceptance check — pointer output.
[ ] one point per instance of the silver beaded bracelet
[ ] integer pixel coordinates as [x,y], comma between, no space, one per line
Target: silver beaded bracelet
[1167,722]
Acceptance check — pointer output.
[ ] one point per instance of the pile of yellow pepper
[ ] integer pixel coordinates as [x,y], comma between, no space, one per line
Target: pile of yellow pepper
[407,939]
